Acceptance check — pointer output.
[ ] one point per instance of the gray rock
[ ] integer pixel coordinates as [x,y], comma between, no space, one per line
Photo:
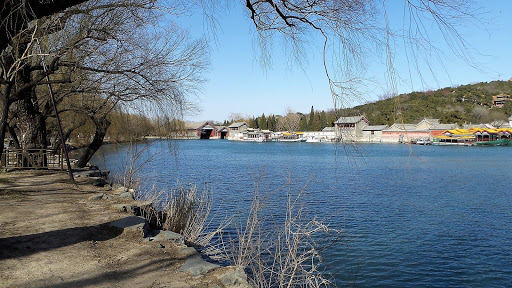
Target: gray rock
[121,207]
[234,277]
[132,224]
[99,182]
[97,196]
[96,173]
[126,195]
[196,266]
[162,235]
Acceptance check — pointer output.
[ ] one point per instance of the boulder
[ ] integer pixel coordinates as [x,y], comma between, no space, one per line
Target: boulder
[99,182]
[126,196]
[121,207]
[196,265]
[132,225]
[162,235]
[233,276]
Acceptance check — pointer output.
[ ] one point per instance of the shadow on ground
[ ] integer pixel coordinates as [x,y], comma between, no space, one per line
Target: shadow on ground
[20,246]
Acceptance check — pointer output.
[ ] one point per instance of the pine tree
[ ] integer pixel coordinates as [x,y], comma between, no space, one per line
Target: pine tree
[316,126]
[311,119]
[323,120]
[303,124]
[262,122]
[271,123]
[252,123]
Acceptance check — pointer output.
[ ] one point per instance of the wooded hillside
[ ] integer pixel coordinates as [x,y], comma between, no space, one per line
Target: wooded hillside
[464,104]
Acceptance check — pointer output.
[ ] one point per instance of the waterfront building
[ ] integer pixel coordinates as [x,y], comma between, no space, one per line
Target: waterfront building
[438,129]
[426,123]
[403,133]
[350,129]
[256,135]
[201,130]
[236,130]
[426,129]
[373,133]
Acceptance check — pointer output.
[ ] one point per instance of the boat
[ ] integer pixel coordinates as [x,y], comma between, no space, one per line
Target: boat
[497,142]
[454,141]
[475,136]
[291,137]
[423,141]
[493,137]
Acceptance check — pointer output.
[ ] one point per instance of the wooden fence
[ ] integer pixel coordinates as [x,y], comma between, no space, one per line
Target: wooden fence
[31,159]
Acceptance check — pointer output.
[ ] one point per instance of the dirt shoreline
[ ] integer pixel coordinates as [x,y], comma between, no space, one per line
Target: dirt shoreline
[53,235]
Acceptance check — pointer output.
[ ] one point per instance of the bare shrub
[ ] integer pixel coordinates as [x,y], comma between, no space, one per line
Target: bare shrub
[281,250]
[186,212]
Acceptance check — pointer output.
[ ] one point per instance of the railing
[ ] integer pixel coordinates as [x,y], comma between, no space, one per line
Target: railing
[31,159]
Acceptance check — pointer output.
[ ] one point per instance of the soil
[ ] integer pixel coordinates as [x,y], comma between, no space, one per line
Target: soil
[53,235]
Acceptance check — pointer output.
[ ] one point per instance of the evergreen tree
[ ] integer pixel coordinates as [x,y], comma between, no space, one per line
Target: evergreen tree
[252,123]
[262,122]
[323,120]
[311,119]
[303,124]
[271,123]
[316,126]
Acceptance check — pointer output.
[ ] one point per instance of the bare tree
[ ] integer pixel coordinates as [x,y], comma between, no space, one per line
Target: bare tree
[112,53]
[290,122]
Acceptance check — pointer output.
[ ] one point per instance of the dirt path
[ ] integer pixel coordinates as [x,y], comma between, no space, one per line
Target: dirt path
[52,235]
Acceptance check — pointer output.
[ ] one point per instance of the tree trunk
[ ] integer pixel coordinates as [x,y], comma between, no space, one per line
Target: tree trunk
[14,136]
[102,125]
[4,112]
[32,124]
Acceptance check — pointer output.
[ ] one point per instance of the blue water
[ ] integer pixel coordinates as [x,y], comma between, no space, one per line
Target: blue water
[418,216]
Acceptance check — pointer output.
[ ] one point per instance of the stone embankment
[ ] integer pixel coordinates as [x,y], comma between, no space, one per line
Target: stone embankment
[55,234]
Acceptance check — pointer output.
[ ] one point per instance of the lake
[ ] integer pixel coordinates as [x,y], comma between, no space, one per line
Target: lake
[426,216]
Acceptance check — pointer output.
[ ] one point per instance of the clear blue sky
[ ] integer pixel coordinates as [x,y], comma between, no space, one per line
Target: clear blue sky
[237,83]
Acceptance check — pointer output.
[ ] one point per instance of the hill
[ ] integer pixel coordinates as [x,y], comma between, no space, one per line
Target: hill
[463,104]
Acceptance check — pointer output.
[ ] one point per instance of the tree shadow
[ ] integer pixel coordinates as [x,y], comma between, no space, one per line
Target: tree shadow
[19,246]
[113,278]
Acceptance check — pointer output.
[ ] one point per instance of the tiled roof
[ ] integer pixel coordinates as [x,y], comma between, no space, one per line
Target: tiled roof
[402,127]
[375,128]
[444,127]
[237,124]
[352,119]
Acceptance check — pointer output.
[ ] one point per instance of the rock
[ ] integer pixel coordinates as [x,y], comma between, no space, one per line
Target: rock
[99,182]
[121,207]
[93,174]
[132,224]
[233,277]
[97,196]
[106,196]
[162,235]
[196,266]
[126,196]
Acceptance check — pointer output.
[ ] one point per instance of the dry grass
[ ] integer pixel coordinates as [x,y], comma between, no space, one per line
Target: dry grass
[280,250]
